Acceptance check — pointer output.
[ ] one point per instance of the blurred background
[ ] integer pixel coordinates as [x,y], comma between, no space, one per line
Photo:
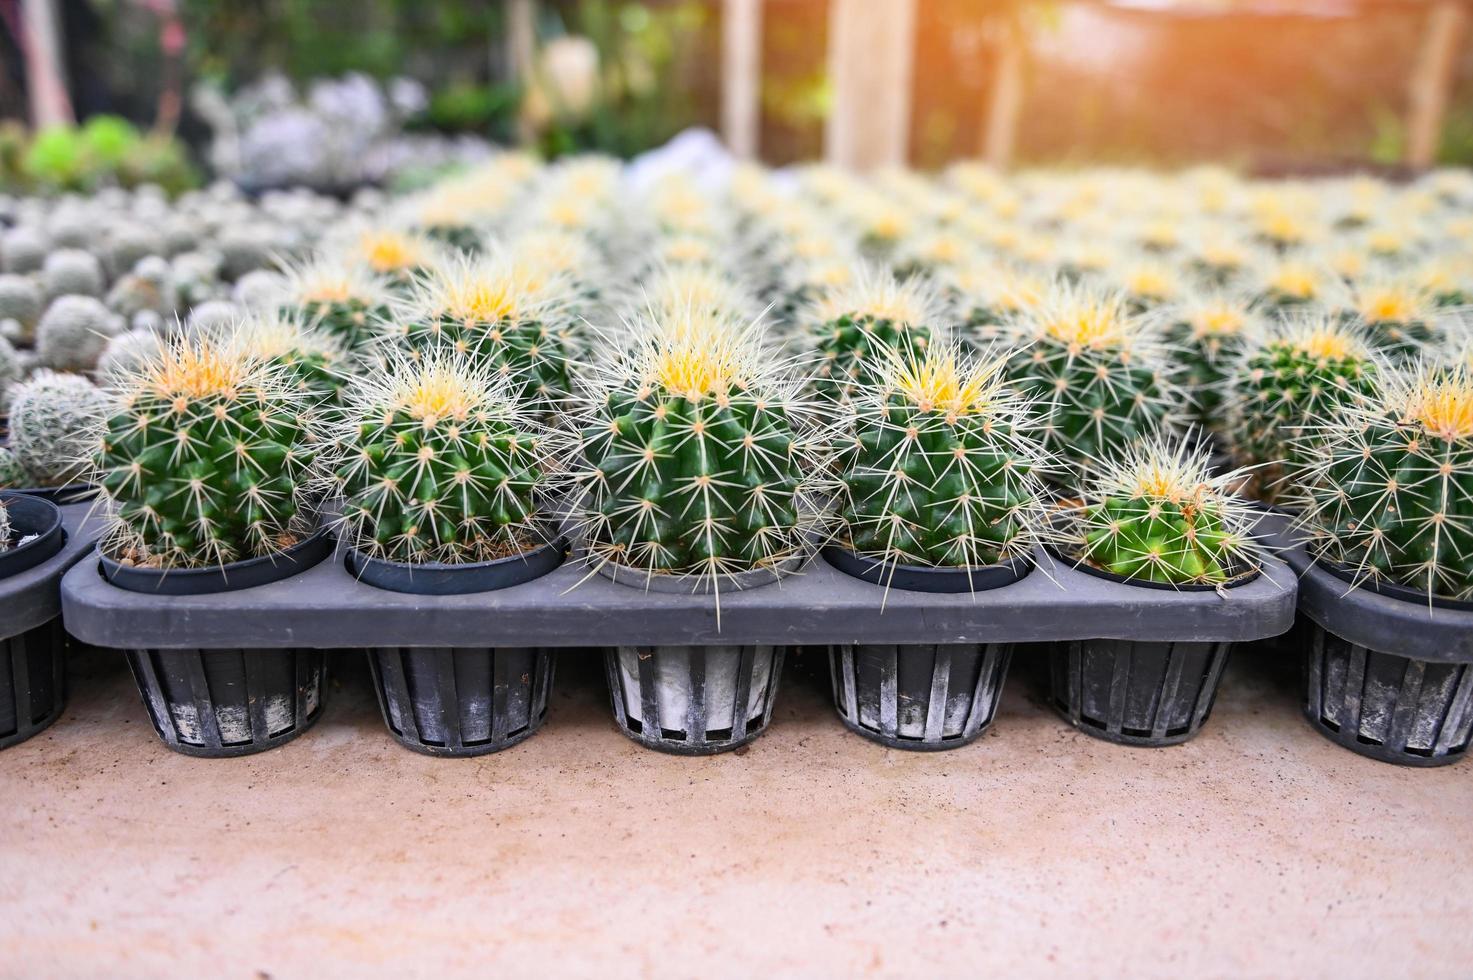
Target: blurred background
[340,92]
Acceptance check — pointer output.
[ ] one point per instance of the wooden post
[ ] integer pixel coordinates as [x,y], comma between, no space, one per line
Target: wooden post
[741,75]
[521,38]
[871,56]
[1432,80]
[1005,106]
[45,64]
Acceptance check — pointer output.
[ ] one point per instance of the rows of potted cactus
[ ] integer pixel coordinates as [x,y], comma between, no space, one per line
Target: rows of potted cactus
[693,389]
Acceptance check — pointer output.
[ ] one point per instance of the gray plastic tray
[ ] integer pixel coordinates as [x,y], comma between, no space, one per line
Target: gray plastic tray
[31,598]
[1359,616]
[325,607]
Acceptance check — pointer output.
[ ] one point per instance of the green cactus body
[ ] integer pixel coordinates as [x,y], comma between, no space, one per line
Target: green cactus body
[74,332]
[1156,515]
[344,301]
[441,465]
[1208,336]
[315,363]
[207,458]
[940,471]
[693,463]
[1300,374]
[495,310]
[53,426]
[1391,496]
[861,323]
[1098,381]
[1398,316]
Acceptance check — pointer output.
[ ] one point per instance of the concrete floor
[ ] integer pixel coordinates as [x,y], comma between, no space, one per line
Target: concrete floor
[1259,849]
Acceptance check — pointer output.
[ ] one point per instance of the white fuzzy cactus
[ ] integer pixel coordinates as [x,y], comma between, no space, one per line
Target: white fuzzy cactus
[53,426]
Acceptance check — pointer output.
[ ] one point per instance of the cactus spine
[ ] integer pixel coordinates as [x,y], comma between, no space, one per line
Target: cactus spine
[1157,515]
[697,459]
[941,470]
[208,458]
[1391,496]
[344,300]
[440,464]
[1209,334]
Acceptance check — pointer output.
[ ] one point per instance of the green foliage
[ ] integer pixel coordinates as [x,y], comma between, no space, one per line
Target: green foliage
[106,150]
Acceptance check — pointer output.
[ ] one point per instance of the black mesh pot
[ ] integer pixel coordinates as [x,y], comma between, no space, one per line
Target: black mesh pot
[1384,706]
[922,697]
[222,703]
[462,702]
[32,681]
[1133,692]
[693,700]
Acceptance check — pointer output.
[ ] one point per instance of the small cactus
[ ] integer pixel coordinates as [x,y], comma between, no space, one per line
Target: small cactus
[494,307]
[73,333]
[1209,333]
[855,324]
[125,355]
[1391,490]
[72,272]
[1302,370]
[941,469]
[697,458]
[53,426]
[439,463]
[23,250]
[1100,379]
[21,300]
[12,474]
[10,372]
[1398,312]
[208,457]
[345,300]
[1156,514]
[316,363]
[5,532]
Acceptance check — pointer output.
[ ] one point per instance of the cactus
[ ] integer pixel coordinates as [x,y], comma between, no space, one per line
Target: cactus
[941,470]
[260,291]
[1392,489]
[148,288]
[12,474]
[344,300]
[23,250]
[1398,313]
[495,307]
[21,300]
[208,457]
[316,363]
[125,355]
[1292,284]
[72,272]
[128,244]
[5,531]
[856,323]
[1156,514]
[397,256]
[439,463]
[10,372]
[1302,370]
[73,333]
[1209,333]
[1100,378]
[213,316]
[53,426]
[984,296]
[697,458]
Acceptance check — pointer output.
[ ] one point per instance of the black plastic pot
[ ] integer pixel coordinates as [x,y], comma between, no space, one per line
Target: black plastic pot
[433,578]
[32,681]
[34,518]
[691,700]
[230,577]
[224,703]
[919,697]
[460,702]
[925,578]
[1388,672]
[1134,692]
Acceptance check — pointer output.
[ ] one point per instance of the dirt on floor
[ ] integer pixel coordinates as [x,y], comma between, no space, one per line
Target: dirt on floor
[1259,849]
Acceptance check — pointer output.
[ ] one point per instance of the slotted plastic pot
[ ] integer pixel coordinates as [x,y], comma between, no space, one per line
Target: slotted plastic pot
[33,645]
[693,700]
